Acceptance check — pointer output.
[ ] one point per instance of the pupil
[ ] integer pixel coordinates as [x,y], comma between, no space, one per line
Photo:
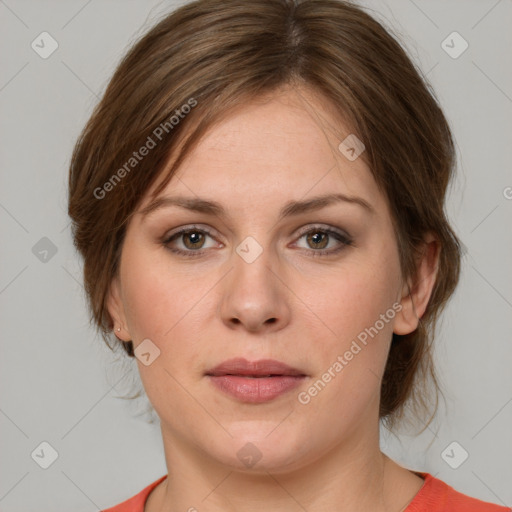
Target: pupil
[317,239]
[194,237]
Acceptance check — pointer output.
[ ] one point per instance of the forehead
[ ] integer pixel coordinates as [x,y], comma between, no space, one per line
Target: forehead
[275,148]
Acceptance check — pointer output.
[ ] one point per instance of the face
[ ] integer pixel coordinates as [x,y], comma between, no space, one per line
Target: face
[317,287]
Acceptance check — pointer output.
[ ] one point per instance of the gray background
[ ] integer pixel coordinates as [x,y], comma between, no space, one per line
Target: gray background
[59,383]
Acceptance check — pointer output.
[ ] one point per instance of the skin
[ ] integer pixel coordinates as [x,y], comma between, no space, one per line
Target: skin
[202,310]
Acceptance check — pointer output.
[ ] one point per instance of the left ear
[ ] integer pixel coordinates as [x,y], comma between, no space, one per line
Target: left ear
[416,291]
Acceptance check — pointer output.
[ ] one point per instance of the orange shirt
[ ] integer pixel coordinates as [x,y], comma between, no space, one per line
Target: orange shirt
[434,496]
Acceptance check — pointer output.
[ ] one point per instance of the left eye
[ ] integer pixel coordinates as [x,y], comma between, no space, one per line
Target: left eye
[318,240]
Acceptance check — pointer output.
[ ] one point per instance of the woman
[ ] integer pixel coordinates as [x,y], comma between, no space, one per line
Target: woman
[259,202]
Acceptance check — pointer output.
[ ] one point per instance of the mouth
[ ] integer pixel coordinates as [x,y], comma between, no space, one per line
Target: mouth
[255,382]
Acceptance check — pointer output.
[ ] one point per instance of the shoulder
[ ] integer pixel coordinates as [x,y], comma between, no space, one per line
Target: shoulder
[437,496]
[136,503]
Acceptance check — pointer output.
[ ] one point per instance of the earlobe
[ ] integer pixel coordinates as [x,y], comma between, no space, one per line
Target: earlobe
[116,310]
[416,293]
[406,320]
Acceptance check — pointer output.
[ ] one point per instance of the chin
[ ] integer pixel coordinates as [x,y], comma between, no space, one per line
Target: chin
[256,447]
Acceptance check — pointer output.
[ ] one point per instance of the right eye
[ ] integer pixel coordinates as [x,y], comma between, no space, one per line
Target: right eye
[190,241]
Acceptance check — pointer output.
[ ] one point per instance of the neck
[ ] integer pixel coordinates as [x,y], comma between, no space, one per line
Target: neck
[351,476]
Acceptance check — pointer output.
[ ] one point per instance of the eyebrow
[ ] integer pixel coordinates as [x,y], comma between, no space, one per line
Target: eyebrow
[289,209]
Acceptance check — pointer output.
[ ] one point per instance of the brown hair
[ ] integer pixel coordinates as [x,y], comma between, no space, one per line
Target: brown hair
[215,54]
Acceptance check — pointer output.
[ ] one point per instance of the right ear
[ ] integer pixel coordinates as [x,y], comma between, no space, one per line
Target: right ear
[115,307]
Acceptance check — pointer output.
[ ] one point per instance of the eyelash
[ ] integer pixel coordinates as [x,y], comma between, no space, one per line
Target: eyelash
[344,239]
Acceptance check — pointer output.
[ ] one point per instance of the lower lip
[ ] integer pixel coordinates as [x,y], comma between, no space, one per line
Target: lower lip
[255,390]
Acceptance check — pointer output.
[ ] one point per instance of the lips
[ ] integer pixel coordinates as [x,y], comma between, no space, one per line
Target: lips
[255,382]
[255,369]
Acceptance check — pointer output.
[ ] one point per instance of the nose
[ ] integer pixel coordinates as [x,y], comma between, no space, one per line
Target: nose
[254,297]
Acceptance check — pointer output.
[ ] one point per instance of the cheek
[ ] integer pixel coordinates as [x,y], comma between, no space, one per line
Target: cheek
[173,309]
[162,306]
[355,311]
[349,366]
[343,303]
[156,295]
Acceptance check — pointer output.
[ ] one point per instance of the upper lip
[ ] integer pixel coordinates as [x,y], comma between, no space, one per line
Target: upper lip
[240,366]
